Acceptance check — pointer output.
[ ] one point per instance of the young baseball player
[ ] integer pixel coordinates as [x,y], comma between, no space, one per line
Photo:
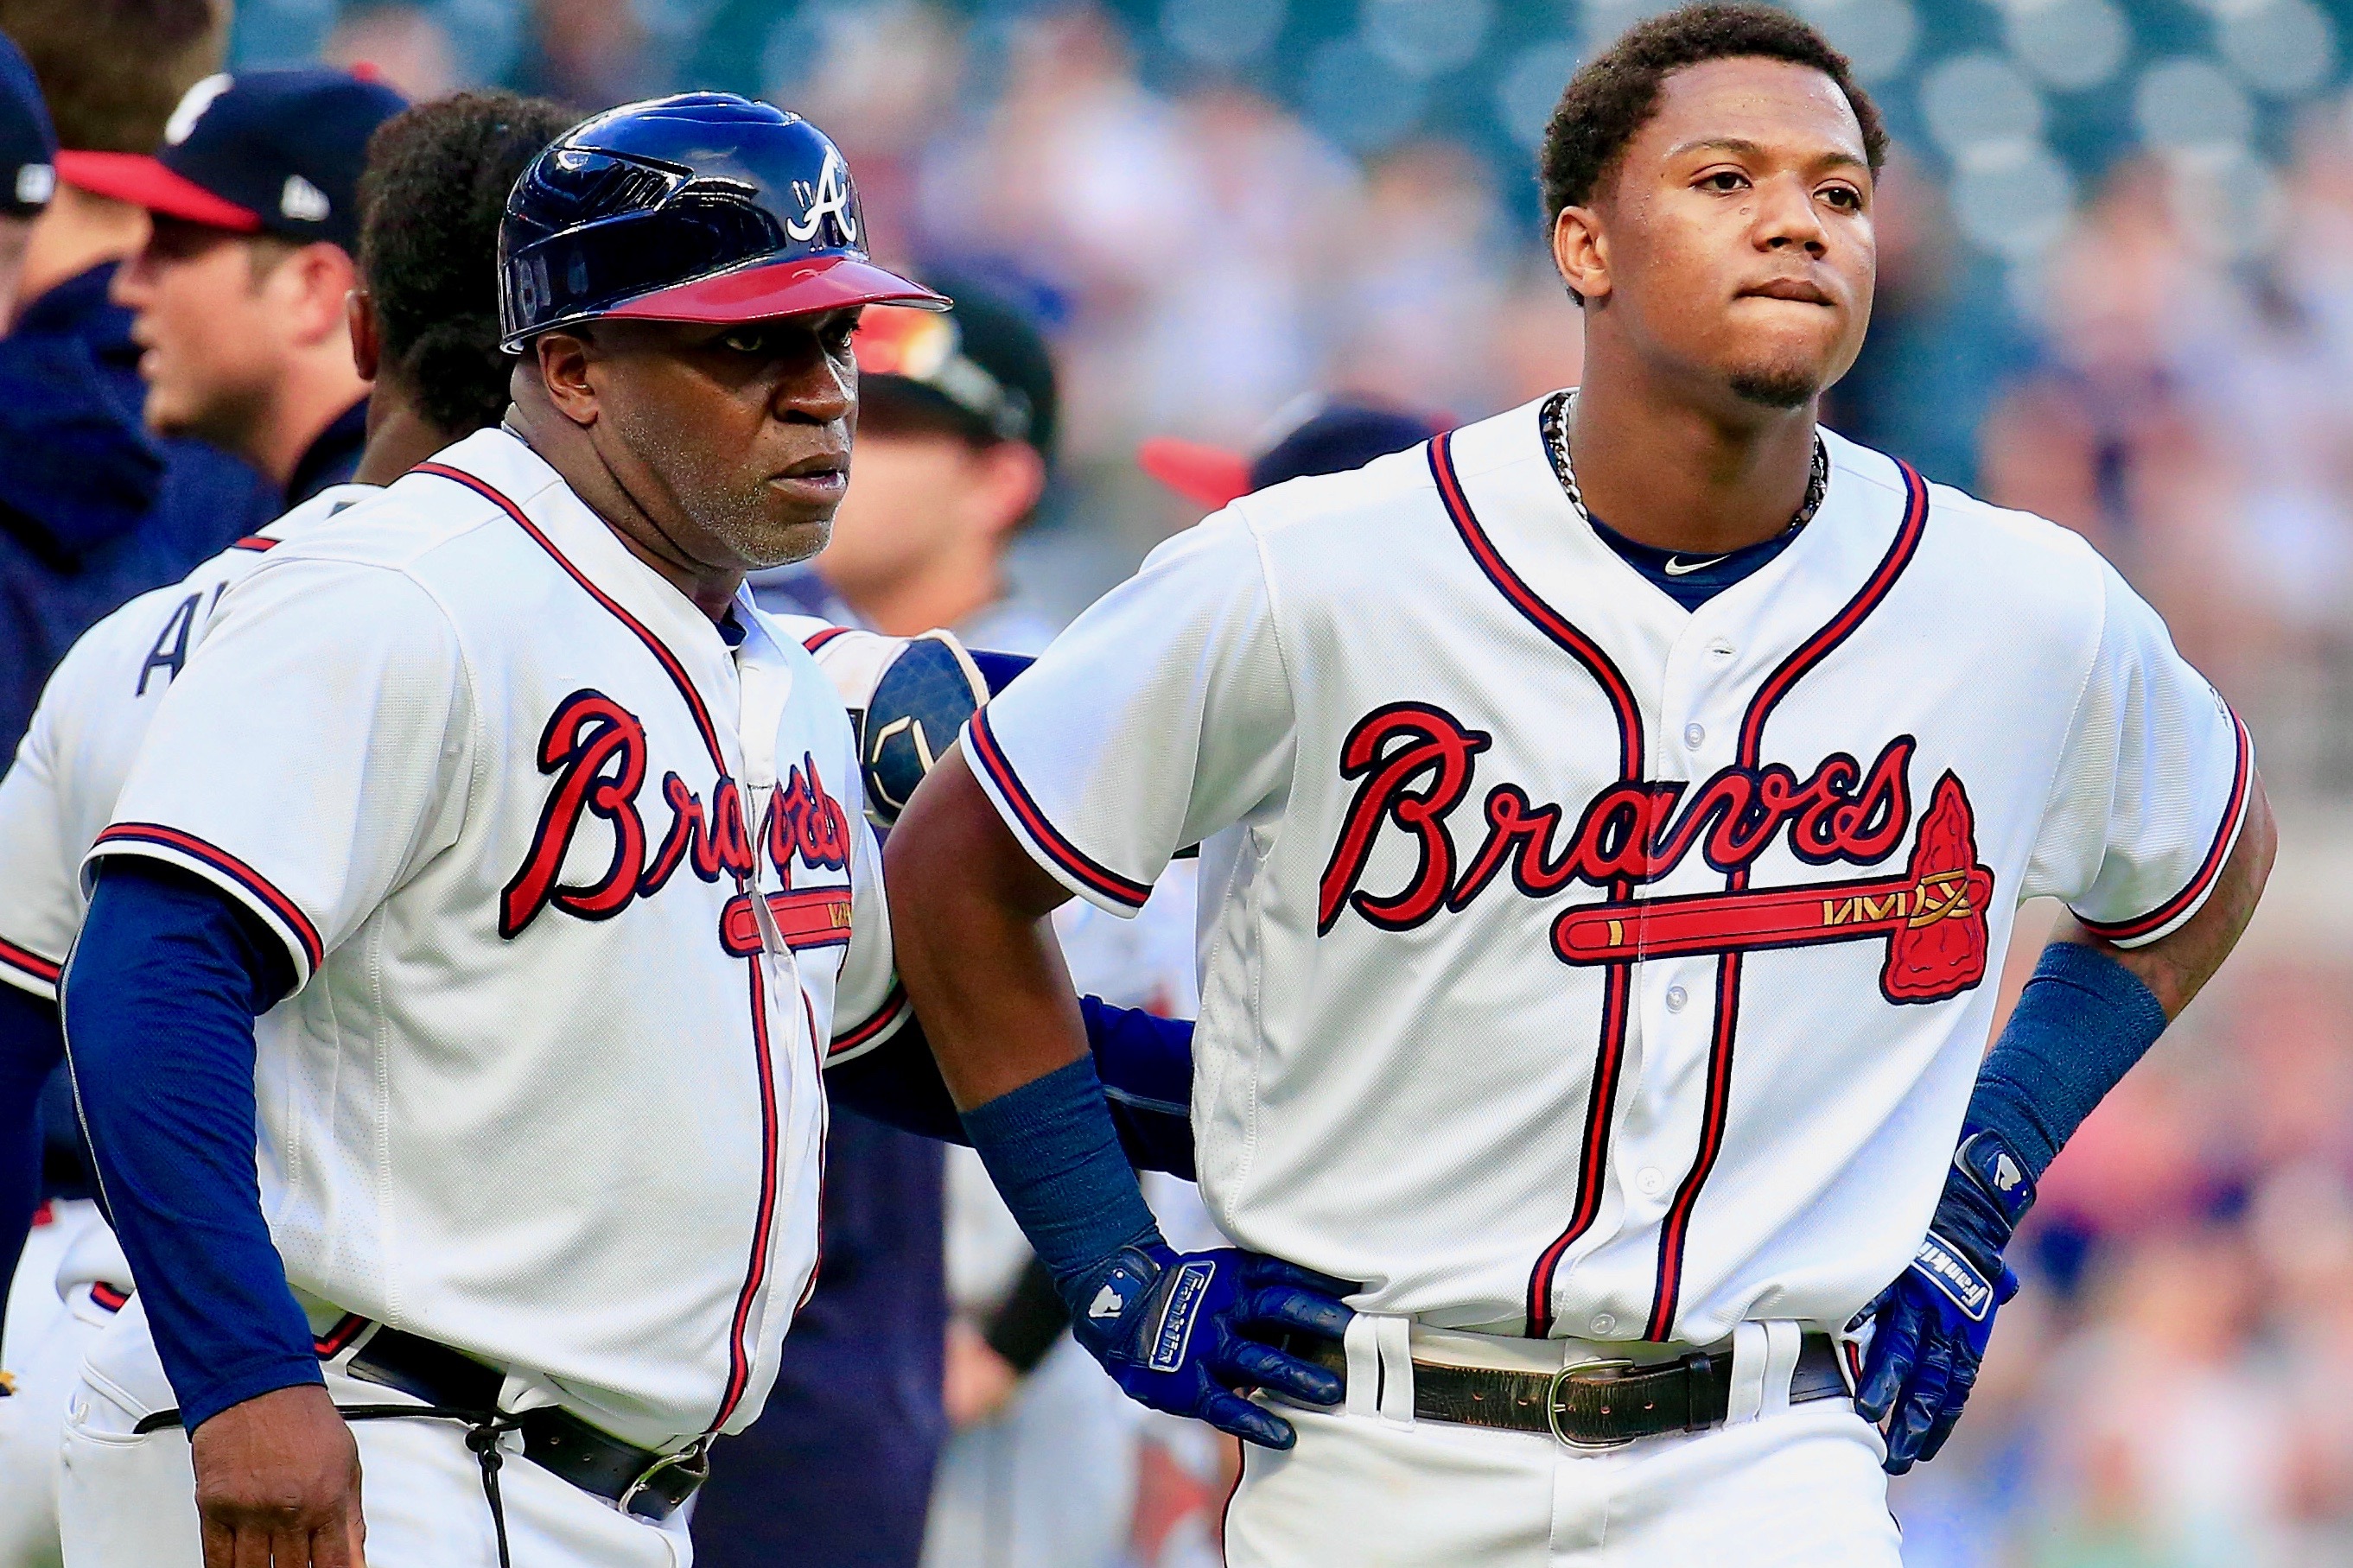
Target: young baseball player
[500,875]
[1613,815]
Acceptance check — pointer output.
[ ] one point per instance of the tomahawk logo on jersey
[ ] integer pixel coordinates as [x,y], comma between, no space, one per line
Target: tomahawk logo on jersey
[93,717]
[1575,963]
[592,851]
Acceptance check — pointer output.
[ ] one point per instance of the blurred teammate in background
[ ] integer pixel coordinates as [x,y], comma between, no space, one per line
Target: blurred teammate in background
[254,208]
[92,508]
[425,330]
[28,172]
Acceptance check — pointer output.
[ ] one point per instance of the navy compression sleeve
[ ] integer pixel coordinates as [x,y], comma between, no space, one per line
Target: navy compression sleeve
[2079,1025]
[1051,1150]
[160,999]
[30,1048]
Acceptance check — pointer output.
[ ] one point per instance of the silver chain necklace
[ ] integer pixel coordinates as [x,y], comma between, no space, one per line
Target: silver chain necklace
[1556,432]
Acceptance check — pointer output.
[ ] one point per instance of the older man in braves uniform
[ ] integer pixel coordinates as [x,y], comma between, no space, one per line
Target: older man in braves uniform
[1598,915]
[542,857]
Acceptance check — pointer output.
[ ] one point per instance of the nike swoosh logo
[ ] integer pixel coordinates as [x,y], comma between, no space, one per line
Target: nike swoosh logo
[1678,567]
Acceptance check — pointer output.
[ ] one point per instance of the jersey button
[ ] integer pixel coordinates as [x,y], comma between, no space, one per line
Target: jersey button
[1676,998]
[1720,648]
[1650,1181]
[1693,735]
[1602,1325]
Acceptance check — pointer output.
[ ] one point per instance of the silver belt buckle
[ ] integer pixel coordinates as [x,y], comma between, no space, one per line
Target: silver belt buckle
[694,1460]
[1553,1411]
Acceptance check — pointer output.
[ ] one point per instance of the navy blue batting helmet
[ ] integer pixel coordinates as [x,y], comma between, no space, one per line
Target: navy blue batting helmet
[702,207]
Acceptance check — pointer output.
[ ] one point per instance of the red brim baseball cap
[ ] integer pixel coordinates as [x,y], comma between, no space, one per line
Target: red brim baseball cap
[1208,475]
[799,288]
[143,182]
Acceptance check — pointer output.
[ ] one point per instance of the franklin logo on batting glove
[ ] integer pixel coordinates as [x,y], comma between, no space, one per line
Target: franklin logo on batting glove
[1191,1333]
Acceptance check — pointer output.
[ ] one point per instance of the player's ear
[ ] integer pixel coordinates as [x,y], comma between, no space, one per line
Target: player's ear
[367,346]
[563,371]
[1011,479]
[1580,253]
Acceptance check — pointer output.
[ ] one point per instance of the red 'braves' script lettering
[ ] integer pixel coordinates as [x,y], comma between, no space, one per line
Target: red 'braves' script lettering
[1416,762]
[596,751]
[806,823]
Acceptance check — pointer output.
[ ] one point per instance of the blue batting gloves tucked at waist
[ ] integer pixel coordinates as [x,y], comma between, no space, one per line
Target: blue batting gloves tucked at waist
[1183,1331]
[1934,1321]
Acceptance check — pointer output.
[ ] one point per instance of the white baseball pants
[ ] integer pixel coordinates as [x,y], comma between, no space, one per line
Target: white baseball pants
[1780,1486]
[127,1499]
[51,1320]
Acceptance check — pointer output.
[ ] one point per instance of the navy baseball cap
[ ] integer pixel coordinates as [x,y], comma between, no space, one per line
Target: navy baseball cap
[28,145]
[263,151]
[1332,438]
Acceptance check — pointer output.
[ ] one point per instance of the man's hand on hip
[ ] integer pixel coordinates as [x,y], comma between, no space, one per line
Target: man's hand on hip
[1187,1331]
[277,1484]
[1934,1323]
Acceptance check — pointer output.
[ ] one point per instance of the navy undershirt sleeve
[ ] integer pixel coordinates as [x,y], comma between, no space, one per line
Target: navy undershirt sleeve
[160,999]
[1145,1063]
[30,1048]
[998,669]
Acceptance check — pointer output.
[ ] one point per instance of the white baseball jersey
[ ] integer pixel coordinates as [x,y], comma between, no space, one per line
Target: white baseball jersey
[579,897]
[93,715]
[1573,963]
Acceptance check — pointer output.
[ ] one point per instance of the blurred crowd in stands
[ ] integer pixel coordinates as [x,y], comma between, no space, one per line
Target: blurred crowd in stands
[2173,377]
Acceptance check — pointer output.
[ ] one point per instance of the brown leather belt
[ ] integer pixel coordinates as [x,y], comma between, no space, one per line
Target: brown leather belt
[1593,1405]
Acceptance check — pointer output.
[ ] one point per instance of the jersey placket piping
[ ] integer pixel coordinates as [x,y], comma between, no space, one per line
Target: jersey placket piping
[1610,1053]
[1676,1228]
[755,1275]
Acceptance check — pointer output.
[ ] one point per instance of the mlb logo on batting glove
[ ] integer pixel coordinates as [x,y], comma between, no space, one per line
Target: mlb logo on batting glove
[1189,1332]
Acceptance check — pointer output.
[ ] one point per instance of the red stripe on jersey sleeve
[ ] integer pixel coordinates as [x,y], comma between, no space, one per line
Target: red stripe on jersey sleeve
[2217,854]
[25,962]
[288,914]
[894,1008]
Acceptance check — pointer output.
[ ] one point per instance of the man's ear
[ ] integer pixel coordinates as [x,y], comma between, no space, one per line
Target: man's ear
[318,280]
[1581,253]
[1012,477]
[368,344]
[564,360]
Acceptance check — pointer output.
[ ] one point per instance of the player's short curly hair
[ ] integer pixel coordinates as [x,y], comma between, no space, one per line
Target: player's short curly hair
[1614,96]
[431,196]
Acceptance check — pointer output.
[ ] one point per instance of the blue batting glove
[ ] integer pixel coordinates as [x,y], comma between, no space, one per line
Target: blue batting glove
[1934,1321]
[1183,1331]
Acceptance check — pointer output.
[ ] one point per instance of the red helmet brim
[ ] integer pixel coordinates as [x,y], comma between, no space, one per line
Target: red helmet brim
[802,288]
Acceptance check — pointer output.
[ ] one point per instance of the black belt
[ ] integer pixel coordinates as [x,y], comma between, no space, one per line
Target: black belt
[456,1387]
[1595,1404]
[641,1481]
